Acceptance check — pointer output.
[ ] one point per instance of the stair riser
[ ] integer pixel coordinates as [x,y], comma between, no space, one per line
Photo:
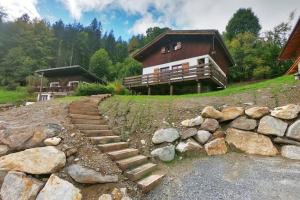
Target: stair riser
[92,127]
[83,121]
[123,155]
[99,133]
[105,140]
[84,112]
[113,148]
[137,176]
[148,188]
[83,107]
[130,165]
[76,116]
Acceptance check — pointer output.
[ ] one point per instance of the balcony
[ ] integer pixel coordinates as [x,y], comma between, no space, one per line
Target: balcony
[193,73]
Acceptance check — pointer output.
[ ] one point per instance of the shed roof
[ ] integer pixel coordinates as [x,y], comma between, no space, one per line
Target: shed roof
[69,71]
[207,32]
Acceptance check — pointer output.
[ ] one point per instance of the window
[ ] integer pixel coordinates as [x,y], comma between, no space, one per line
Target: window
[164,69]
[163,50]
[54,84]
[177,46]
[73,83]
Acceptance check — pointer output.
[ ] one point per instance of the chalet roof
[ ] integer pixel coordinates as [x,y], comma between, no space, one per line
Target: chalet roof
[67,71]
[292,45]
[207,32]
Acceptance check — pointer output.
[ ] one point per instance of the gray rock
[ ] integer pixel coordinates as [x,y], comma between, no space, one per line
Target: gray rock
[281,140]
[231,112]
[211,112]
[294,130]
[216,147]
[272,126]
[17,186]
[40,160]
[3,149]
[86,175]
[192,122]
[202,136]
[289,111]
[250,142]
[244,123]
[188,133]
[291,152]
[210,125]
[58,189]
[166,153]
[52,141]
[189,145]
[165,135]
[105,197]
[257,112]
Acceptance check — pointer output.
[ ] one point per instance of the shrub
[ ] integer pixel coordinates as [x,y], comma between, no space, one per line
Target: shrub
[87,89]
[262,72]
[118,88]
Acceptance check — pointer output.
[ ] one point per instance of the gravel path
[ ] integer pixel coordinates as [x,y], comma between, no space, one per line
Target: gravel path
[232,176]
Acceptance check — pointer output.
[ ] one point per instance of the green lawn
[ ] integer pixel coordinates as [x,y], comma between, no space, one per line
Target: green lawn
[14,96]
[236,88]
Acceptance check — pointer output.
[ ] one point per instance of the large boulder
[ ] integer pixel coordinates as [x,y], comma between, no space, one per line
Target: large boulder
[17,186]
[40,160]
[202,136]
[58,189]
[165,135]
[289,111]
[269,125]
[250,142]
[257,112]
[211,112]
[210,125]
[188,133]
[192,122]
[24,137]
[216,147]
[244,123]
[86,175]
[166,153]
[187,146]
[231,112]
[291,152]
[294,130]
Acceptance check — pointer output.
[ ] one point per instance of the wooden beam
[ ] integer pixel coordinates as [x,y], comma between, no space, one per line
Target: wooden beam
[171,89]
[149,90]
[198,87]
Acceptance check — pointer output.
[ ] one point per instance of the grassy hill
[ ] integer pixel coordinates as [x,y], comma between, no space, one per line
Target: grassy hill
[14,96]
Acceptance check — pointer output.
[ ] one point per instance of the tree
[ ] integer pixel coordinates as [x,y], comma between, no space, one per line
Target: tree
[130,67]
[153,32]
[244,20]
[3,15]
[100,63]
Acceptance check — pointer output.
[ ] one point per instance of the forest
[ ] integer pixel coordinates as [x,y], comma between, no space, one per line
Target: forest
[27,45]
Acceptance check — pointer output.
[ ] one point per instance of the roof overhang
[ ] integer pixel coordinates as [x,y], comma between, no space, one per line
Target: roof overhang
[209,32]
[292,45]
[68,71]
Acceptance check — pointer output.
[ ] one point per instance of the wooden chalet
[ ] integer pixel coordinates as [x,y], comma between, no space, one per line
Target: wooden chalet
[63,80]
[182,61]
[291,51]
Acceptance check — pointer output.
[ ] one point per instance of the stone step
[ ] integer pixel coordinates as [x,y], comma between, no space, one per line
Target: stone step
[140,172]
[84,112]
[148,183]
[91,127]
[105,139]
[97,133]
[113,146]
[78,116]
[89,121]
[131,162]
[122,154]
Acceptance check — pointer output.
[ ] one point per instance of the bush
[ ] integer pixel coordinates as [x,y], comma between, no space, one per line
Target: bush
[118,88]
[87,89]
[262,72]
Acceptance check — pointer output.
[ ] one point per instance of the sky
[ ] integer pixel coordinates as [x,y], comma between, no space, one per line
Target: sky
[130,17]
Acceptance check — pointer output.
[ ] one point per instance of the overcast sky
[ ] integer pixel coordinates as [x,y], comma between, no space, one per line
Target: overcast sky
[128,17]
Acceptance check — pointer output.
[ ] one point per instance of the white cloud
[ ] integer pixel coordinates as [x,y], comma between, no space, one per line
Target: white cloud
[16,8]
[186,14]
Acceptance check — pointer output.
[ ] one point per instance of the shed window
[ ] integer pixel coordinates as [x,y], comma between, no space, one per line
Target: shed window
[73,83]
[54,84]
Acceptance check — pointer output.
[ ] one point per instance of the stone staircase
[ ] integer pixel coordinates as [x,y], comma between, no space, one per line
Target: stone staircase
[136,167]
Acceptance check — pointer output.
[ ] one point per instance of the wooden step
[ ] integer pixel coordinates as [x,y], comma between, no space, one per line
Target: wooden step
[89,121]
[140,172]
[148,183]
[78,116]
[131,162]
[91,127]
[84,112]
[105,139]
[113,146]
[122,154]
[97,133]
[83,106]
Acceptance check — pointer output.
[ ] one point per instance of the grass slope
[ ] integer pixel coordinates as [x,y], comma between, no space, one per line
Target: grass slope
[15,96]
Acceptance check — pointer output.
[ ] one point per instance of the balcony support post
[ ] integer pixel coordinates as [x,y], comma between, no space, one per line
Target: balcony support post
[198,87]
[171,89]
[149,90]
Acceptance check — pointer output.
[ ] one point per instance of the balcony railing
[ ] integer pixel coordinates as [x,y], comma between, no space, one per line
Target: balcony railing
[197,72]
[56,89]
